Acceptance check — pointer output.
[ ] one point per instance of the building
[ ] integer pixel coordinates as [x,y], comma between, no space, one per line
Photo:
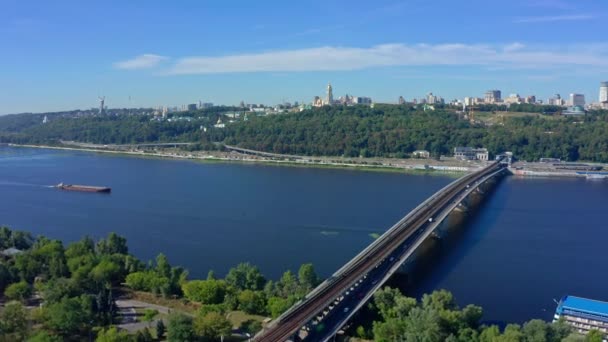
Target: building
[317,102]
[492,96]
[362,100]
[204,105]
[469,101]
[604,94]
[469,153]
[329,100]
[423,154]
[583,314]
[513,99]
[574,110]
[192,106]
[531,99]
[45,120]
[401,100]
[556,101]
[577,100]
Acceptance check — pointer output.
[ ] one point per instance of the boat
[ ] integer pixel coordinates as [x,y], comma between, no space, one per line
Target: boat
[83,188]
[602,175]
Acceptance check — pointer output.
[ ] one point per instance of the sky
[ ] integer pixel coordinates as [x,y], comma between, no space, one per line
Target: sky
[62,55]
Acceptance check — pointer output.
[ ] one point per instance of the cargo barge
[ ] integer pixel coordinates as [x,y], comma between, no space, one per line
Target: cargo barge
[83,188]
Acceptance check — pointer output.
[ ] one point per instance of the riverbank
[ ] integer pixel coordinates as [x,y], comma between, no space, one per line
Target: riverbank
[409,166]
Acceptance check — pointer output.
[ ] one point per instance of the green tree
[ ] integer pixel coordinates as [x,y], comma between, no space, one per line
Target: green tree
[14,322]
[44,336]
[112,334]
[69,317]
[535,330]
[205,291]
[18,291]
[180,328]
[150,315]
[245,277]
[308,277]
[252,302]
[277,305]
[212,326]
[114,244]
[594,336]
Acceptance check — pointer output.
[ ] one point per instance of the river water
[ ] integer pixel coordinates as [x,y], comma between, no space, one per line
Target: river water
[530,241]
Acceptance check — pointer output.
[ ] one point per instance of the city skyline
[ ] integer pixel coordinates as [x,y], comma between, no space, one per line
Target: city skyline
[65,55]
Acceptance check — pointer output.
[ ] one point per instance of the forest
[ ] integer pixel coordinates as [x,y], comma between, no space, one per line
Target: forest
[392,131]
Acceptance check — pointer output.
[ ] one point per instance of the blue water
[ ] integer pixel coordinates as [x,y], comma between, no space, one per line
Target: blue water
[529,242]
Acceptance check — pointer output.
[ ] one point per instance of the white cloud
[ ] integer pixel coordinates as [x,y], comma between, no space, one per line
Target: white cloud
[327,58]
[144,61]
[554,18]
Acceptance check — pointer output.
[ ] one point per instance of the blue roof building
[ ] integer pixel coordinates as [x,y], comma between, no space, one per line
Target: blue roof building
[583,314]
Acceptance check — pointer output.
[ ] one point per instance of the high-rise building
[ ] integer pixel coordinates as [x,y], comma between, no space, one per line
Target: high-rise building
[102,100]
[492,96]
[330,95]
[604,93]
[401,100]
[577,100]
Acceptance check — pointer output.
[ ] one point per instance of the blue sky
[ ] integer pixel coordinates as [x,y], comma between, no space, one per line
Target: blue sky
[60,55]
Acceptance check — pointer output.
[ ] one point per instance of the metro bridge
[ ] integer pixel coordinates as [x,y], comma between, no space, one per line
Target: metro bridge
[327,308]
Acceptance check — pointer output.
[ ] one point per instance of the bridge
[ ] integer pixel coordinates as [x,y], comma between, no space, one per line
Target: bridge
[327,308]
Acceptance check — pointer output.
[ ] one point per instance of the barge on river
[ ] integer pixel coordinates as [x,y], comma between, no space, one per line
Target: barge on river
[83,188]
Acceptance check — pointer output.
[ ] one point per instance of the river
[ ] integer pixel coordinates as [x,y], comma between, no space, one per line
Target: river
[530,241]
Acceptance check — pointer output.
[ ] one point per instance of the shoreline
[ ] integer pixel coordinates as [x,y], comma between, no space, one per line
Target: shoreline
[415,170]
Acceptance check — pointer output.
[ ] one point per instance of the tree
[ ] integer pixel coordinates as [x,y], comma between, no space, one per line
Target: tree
[13,321]
[252,302]
[535,330]
[205,291]
[112,334]
[180,328]
[18,291]
[163,268]
[308,277]
[70,316]
[287,285]
[594,336]
[212,326]
[277,305]
[246,277]
[423,325]
[106,272]
[150,315]
[160,329]
[114,244]
[251,326]
[44,336]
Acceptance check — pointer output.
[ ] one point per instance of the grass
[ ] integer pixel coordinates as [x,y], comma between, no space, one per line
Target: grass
[174,304]
[238,317]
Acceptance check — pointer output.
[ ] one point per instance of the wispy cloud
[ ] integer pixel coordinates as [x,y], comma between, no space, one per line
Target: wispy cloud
[553,4]
[554,18]
[328,58]
[144,61]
